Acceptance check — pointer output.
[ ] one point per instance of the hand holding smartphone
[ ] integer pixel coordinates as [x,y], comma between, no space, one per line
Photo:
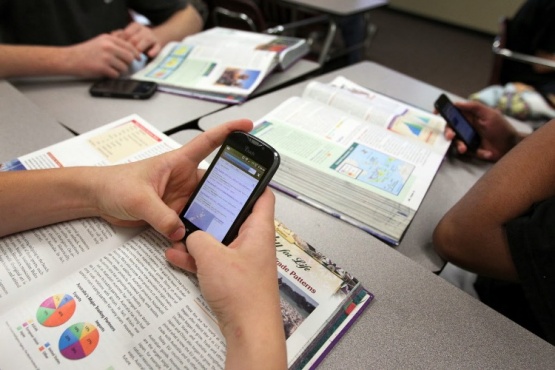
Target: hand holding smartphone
[226,194]
[122,88]
[456,120]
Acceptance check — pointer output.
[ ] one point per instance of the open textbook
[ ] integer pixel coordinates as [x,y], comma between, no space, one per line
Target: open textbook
[356,154]
[221,64]
[86,294]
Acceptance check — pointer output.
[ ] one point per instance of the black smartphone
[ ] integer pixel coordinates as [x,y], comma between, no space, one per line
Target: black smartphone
[123,88]
[456,120]
[226,194]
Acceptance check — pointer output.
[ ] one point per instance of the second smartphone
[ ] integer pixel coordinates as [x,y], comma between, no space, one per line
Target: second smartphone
[123,88]
[226,194]
[456,120]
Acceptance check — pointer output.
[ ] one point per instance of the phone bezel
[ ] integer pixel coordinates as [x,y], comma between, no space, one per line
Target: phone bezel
[441,104]
[264,155]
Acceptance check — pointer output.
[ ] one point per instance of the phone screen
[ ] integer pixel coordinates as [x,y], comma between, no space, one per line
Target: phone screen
[225,192]
[459,123]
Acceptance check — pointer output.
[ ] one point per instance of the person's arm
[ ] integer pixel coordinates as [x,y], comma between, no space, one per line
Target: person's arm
[102,56]
[150,191]
[151,40]
[182,23]
[240,284]
[472,234]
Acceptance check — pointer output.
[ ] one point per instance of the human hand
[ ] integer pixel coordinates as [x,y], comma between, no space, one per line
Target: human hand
[155,190]
[497,135]
[102,56]
[240,284]
[141,37]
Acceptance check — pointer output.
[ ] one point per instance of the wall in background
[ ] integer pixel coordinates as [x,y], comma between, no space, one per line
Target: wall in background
[478,15]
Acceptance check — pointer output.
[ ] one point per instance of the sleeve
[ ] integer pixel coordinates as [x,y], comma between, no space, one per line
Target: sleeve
[531,240]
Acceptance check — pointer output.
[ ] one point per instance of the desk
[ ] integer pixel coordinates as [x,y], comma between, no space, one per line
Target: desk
[25,128]
[68,100]
[417,319]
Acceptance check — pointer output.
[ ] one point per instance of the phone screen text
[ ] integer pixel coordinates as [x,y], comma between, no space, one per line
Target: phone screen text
[224,193]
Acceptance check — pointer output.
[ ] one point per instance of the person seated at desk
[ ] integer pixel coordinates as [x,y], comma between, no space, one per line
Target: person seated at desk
[526,91]
[88,38]
[153,191]
[502,229]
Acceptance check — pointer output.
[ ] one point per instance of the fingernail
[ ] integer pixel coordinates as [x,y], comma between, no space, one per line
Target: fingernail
[178,234]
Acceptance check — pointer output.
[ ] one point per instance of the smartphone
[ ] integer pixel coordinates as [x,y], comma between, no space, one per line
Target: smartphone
[123,88]
[226,194]
[456,120]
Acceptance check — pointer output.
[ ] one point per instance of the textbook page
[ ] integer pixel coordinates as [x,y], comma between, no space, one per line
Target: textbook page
[372,177]
[204,68]
[126,309]
[125,140]
[287,49]
[130,309]
[381,110]
[36,258]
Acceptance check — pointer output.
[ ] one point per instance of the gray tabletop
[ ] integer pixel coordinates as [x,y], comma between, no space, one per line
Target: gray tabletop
[24,127]
[68,100]
[417,320]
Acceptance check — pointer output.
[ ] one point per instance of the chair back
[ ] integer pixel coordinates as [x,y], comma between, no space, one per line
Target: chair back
[500,42]
[238,14]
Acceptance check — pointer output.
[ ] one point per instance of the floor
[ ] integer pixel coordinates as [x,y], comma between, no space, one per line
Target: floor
[455,59]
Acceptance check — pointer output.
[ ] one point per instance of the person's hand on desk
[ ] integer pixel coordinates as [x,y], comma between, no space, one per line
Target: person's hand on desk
[497,135]
[141,37]
[103,56]
[240,284]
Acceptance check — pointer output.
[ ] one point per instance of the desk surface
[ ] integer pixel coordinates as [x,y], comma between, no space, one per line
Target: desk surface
[340,8]
[452,181]
[417,319]
[25,128]
[68,100]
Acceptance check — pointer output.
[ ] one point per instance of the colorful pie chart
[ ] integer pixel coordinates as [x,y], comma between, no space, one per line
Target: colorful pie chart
[56,310]
[78,341]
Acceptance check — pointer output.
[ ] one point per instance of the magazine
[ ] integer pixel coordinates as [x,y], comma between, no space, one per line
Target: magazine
[356,154]
[89,294]
[221,64]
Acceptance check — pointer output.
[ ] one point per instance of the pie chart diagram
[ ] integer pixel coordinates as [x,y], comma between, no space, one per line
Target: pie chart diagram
[78,341]
[56,310]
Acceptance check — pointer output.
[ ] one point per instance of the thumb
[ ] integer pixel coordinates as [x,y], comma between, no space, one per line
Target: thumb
[485,154]
[202,246]
[163,219]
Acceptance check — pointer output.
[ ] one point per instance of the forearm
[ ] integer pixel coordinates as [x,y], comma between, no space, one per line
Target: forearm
[258,341]
[472,233]
[35,198]
[183,23]
[22,60]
